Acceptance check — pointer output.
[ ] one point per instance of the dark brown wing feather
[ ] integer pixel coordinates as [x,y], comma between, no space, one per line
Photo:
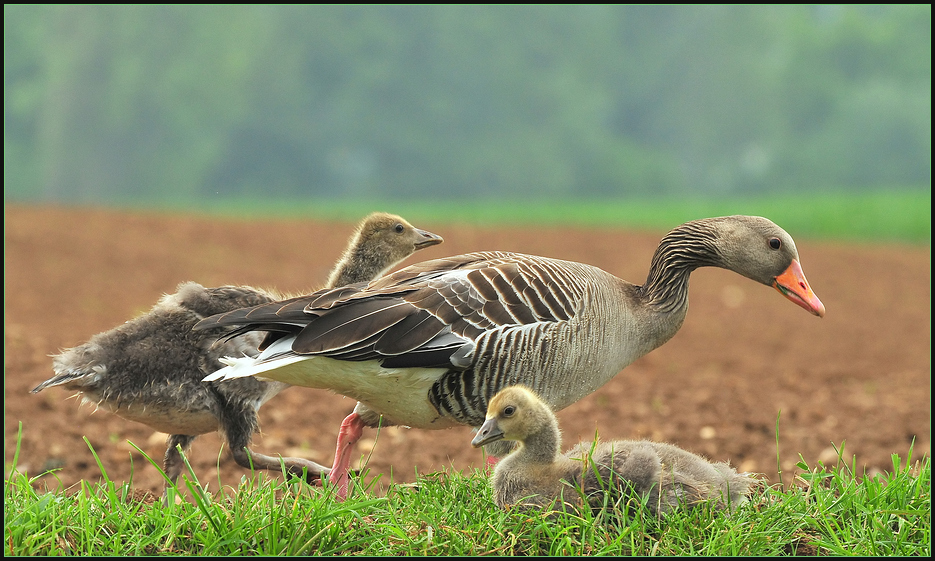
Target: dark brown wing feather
[418,326]
[422,315]
[346,325]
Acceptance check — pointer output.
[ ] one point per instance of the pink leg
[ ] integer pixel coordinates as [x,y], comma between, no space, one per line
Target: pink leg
[351,430]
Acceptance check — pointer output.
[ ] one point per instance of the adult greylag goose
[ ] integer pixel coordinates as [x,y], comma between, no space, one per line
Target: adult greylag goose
[150,369]
[429,345]
[606,473]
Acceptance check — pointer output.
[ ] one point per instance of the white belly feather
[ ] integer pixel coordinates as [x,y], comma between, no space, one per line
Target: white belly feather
[396,393]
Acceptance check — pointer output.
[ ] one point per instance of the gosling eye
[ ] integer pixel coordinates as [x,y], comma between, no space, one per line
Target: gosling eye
[399,228]
[775,243]
[509,410]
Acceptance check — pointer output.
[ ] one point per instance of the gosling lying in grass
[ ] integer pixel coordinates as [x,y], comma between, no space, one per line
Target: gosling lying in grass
[663,476]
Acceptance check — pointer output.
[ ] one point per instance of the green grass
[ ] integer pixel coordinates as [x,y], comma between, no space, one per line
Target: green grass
[828,511]
[893,215]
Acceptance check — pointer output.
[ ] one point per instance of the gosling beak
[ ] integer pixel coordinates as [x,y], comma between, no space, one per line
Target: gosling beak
[428,239]
[487,433]
[792,284]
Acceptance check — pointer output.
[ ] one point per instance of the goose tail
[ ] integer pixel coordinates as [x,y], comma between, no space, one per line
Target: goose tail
[233,368]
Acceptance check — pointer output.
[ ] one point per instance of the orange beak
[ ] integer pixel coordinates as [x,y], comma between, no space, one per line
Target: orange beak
[792,284]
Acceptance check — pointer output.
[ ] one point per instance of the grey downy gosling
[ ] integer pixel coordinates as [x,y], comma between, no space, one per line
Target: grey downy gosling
[429,345]
[537,473]
[150,369]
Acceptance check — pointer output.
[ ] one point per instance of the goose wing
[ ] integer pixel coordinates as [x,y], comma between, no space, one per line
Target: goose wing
[427,315]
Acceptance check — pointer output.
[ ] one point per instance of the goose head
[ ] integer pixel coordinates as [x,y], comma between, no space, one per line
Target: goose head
[751,246]
[381,241]
[515,413]
[758,249]
[390,235]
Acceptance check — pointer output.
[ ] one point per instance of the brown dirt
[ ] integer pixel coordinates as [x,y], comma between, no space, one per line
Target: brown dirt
[745,354]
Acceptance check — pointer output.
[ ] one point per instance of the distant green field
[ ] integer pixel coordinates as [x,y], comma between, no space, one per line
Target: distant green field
[883,216]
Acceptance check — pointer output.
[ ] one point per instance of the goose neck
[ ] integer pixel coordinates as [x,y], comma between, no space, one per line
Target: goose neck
[680,252]
[357,264]
[543,445]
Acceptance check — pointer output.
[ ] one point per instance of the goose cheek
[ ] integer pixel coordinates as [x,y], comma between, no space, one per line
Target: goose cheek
[792,284]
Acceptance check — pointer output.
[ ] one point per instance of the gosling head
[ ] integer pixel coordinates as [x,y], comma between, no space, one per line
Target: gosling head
[514,413]
[392,235]
[381,241]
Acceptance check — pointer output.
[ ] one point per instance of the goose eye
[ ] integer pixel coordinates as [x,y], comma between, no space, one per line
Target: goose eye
[775,243]
[399,228]
[508,411]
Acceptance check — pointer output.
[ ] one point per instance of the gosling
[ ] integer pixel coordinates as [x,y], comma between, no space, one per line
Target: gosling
[150,369]
[537,474]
